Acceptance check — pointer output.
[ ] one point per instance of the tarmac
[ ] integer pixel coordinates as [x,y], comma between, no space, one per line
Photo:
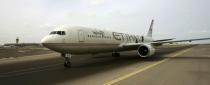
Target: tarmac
[171,65]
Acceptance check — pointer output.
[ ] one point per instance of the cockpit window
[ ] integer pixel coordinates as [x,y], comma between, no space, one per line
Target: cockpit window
[58,32]
[63,33]
[53,32]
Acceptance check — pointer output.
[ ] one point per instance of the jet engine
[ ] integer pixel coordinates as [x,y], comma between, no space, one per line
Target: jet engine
[146,50]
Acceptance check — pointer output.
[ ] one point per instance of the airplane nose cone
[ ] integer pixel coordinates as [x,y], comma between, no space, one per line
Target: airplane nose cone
[45,40]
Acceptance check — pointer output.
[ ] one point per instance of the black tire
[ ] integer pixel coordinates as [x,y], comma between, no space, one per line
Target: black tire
[116,55]
[67,64]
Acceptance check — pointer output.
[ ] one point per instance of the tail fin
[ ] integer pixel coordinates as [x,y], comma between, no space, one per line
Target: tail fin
[149,34]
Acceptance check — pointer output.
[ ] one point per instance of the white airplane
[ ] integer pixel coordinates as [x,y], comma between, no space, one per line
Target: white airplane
[82,40]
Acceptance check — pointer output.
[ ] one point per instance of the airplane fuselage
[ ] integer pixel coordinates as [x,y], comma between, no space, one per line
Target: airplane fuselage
[82,40]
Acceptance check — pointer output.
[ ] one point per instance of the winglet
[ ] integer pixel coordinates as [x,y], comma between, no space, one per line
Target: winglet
[149,34]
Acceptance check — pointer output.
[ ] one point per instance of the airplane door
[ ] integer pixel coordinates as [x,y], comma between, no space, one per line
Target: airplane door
[81,36]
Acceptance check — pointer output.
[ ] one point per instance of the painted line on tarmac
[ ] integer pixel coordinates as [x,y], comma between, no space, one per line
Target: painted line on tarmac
[143,69]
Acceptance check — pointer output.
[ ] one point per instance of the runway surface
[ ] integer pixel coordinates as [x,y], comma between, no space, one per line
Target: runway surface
[171,65]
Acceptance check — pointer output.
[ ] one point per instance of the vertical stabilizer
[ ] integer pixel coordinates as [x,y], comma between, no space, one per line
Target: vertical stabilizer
[149,34]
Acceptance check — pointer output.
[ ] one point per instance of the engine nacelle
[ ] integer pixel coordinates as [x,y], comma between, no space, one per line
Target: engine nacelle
[146,50]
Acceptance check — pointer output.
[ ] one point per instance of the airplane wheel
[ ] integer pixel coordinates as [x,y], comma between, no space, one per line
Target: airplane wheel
[116,54]
[67,64]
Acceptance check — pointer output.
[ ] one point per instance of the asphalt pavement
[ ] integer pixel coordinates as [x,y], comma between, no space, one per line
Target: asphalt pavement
[171,65]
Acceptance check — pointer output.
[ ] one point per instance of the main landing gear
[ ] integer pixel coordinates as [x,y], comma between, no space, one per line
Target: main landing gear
[67,62]
[115,54]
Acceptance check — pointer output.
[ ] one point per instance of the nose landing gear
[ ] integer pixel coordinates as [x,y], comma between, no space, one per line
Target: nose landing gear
[67,62]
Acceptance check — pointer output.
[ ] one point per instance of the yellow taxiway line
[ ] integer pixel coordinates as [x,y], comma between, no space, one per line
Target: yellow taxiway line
[143,69]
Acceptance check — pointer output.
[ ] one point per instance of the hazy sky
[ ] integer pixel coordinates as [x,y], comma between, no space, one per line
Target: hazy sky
[33,19]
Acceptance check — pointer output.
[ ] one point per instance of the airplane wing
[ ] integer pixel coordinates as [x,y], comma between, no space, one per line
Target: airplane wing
[136,45]
[164,40]
[156,42]
[187,40]
[170,42]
